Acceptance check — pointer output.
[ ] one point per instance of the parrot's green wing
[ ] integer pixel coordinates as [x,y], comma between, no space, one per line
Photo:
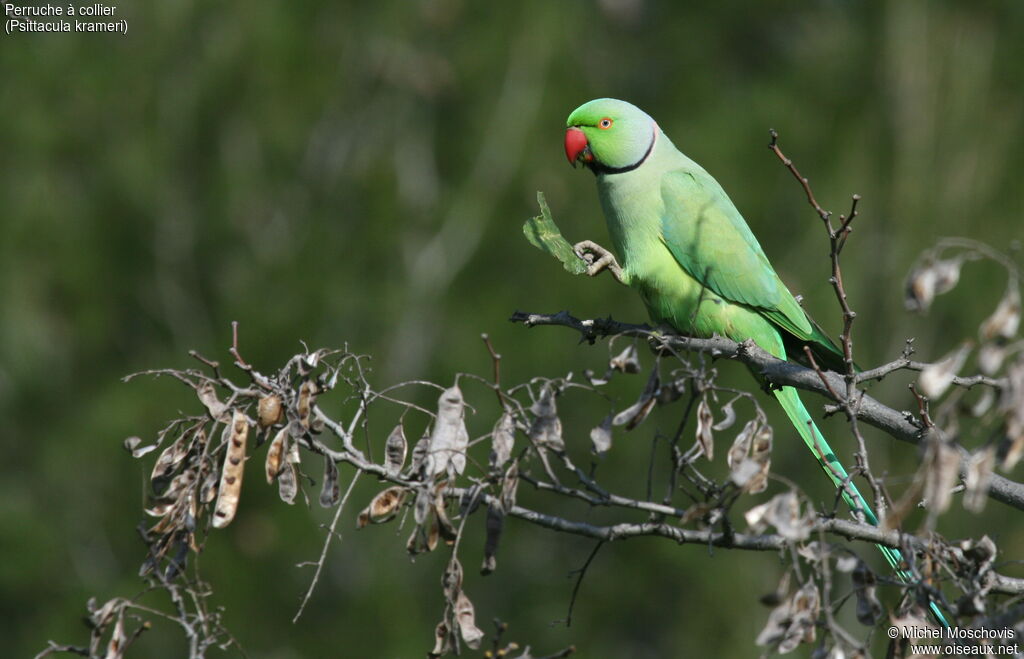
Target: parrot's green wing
[710,240]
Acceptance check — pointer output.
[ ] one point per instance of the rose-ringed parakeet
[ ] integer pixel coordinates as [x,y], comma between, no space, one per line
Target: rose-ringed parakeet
[687,251]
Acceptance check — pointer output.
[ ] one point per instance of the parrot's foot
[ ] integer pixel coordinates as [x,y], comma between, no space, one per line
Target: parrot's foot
[597,259]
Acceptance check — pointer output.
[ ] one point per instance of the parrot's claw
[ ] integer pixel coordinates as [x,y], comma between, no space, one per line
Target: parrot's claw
[597,259]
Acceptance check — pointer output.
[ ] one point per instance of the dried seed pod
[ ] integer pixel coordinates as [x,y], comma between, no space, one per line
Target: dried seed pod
[947,274]
[749,457]
[1011,404]
[288,477]
[443,642]
[175,453]
[1011,449]
[271,411]
[382,507]
[275,452]
[727,420]
[704,435]
[782,512]
[979,475]
[627,361]
[308,362]
[697,511]
[288,481]
[775,597]
[231,474]
[451,580]
[546,430]
[503,439]
[671,391]
[991,357]
[331,492]
[601,436]
[595,380]
[304,406]
[495,524]
[936,378]
[465,616]
[160,508]
[983,404]
[101,616]
[118,642]
[931,279]
[293,456]
[941,467]
[793,621]
[423,505]
[982,553]
[635,414]
[1005,320]
[424,537]
[815,552]
[433,533]
[741,445]
[445,529]
[395,449]
[449,440]
[869,609]
[509,486]
[761,454]
[419,456]
[132,445]
[207,393]
[846,563]
[178,484]
[208,490]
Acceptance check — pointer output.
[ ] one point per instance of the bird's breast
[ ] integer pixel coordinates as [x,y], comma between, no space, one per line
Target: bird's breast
[633,209]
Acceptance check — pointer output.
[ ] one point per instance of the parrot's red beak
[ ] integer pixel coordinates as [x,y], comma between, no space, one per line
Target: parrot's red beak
[576,146]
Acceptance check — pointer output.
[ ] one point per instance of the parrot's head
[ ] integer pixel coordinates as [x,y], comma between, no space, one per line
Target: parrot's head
[609,136]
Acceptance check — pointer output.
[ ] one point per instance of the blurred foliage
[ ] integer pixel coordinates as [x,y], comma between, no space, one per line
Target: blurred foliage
[359,172]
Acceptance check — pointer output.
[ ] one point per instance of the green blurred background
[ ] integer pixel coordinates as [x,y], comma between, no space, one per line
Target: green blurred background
[359,172]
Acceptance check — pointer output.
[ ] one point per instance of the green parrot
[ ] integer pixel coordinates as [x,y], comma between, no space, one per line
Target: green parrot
[694,261]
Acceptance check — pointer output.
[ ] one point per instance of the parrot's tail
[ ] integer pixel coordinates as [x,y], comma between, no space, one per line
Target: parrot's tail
[797,413]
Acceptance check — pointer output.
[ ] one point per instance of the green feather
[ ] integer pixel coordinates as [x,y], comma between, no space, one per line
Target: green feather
[815,441]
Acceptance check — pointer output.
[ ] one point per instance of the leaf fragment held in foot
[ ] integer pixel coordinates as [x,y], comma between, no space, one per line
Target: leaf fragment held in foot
[543,233]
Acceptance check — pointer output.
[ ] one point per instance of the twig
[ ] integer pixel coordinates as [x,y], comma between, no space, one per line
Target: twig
[904,364]
[214,366]
[241,363]
[922,407]
[821,374]
[327,544]
[496,362]
[579,581]
[53,648]
[773,145]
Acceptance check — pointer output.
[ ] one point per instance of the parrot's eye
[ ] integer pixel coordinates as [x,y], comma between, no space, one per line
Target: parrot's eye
[605,123]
